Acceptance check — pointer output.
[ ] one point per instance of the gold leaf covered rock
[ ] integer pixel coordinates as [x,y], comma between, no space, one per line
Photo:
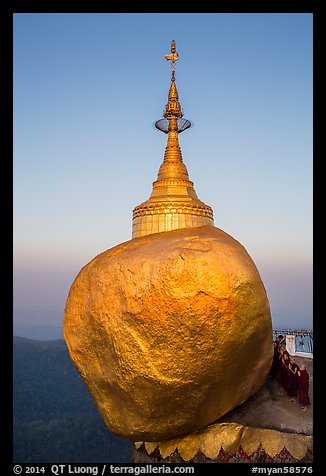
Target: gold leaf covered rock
[169,331]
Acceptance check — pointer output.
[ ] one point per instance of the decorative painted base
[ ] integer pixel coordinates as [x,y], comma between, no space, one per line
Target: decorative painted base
[228,443]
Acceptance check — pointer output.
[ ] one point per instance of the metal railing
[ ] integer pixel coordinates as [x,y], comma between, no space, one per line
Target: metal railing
[303,338]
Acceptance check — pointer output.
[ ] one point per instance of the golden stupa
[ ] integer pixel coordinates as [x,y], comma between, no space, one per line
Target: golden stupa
[173,203]
[171,329]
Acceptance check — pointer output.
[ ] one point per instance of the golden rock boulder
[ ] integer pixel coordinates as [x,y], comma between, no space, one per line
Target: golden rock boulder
[169,331]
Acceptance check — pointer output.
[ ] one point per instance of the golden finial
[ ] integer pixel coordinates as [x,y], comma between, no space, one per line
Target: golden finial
[172,57]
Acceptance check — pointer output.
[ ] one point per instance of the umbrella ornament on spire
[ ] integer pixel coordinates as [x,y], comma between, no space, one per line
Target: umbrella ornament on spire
[173,114]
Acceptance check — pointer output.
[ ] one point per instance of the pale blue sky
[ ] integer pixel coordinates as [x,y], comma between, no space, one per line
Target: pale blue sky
[87,90]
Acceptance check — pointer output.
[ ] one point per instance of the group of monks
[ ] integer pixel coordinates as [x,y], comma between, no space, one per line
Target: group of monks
[293,377]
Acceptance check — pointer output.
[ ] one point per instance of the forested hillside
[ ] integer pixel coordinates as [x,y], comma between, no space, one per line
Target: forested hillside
[55,418]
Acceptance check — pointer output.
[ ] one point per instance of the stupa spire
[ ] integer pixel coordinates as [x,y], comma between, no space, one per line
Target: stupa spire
[173,203]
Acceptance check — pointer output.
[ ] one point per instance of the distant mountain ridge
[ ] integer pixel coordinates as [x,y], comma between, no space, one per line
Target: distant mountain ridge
[55,418]
[38,332]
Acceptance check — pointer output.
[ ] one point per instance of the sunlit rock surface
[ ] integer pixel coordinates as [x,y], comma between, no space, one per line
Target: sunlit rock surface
[169,331]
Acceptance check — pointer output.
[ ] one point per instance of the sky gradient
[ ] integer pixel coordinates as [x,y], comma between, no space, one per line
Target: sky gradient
[87,91]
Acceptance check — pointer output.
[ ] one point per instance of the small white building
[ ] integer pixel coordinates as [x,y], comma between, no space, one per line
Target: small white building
[290,347]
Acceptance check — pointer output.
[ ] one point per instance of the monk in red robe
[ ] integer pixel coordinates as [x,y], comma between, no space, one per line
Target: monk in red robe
[292,389]
[279,370]
[285,369]
[303,383]
[275,363]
